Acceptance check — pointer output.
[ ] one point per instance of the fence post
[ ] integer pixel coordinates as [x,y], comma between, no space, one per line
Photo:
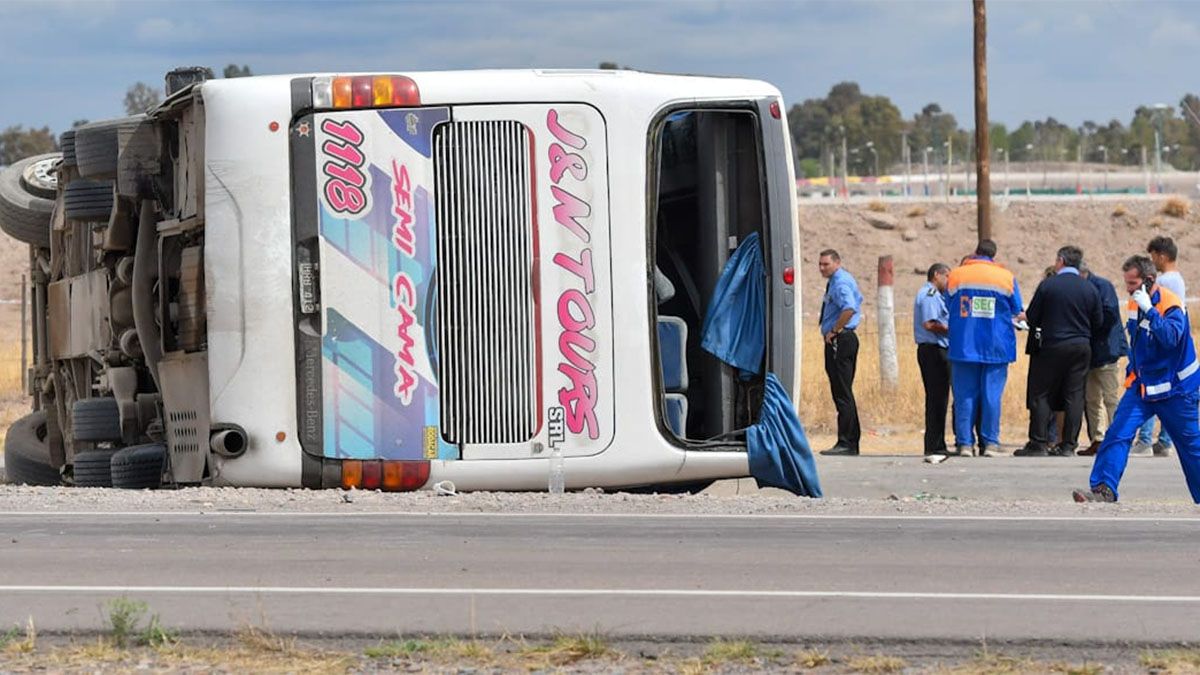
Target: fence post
[889,369]
[24,340]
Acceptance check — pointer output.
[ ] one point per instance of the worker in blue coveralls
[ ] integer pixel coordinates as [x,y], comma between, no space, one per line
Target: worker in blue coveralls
[1162,378]
[985,301]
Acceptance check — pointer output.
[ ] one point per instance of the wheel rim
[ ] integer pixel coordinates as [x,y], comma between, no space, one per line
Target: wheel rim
[41,177]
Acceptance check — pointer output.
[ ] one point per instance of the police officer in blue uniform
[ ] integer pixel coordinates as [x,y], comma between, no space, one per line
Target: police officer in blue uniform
[841,312]
[1162,378]
[931,331]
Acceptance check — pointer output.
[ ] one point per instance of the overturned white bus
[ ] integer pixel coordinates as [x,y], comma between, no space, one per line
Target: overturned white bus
[385,281]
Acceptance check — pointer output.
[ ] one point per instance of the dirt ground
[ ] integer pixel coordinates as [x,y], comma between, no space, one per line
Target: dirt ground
[1028,235]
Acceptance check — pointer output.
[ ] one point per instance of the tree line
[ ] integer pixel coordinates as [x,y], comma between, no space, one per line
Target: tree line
[874,128]
[17,142]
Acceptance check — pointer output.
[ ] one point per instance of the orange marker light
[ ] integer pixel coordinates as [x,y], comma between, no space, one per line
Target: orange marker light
[280,437]
[392,475]
[352,473]
[341,92]
[381,88]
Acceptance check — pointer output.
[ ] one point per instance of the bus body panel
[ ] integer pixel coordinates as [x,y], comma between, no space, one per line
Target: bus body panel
[248,265]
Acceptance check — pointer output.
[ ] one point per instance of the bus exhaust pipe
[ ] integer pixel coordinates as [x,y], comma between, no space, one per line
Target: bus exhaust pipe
[228,443]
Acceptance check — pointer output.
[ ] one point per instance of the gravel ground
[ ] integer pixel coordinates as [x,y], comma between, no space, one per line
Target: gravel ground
[767,502]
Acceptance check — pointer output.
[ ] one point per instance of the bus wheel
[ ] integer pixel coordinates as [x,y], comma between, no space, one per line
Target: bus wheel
[96,420]
[139,467]
[99,144]
[27,198]
[92,468]
[26,454]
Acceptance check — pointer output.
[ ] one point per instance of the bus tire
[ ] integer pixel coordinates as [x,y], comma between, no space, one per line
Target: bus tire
[92,468]
[88,200]
[25,207]
[139,467]
[98,145]
[26,454]
[66,143]
[96,420]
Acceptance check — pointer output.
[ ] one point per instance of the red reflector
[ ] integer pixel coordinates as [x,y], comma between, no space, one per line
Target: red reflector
[372,475]
[405,92]
[775,109]
[360,92]
[414,475]
[789,276]
[352,473]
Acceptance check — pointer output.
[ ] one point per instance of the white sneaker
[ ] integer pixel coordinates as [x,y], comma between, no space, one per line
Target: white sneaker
[1141,449]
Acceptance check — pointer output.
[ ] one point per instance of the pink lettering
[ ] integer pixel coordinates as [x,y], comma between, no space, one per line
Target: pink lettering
[347,153]
[344,178]
[571,343]
[580,400]
[567,319]
[581,268]
[343,130]
[560,132]
[569,210]
[575,312]
[562,161]
[406,379]
[402,233]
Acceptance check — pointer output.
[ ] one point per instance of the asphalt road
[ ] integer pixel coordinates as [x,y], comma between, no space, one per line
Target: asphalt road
[1086,578]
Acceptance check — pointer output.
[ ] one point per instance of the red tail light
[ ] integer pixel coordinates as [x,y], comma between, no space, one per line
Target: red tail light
[372,476]
[789,275]
[775,112]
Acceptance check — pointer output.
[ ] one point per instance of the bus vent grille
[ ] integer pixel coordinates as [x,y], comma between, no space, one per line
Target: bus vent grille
[182,434]
[486,251]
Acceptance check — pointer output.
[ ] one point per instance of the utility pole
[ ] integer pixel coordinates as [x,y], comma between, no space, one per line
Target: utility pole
[907,166]
[983,191]
[845,172]
[949,163]
[925,175]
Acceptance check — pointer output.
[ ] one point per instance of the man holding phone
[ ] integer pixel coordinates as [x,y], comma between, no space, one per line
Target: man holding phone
[1163,379]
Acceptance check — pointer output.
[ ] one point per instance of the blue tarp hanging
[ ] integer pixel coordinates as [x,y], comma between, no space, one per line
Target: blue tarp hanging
[734,327]
[778,449]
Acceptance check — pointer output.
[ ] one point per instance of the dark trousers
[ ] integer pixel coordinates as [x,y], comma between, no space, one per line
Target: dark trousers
[935,375]
[1057,377]
[841,358]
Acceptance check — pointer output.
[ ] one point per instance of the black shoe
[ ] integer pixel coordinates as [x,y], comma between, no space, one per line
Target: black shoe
[1061,451]
[1090,451]
[1100,493]
[1031,450]
[839,451]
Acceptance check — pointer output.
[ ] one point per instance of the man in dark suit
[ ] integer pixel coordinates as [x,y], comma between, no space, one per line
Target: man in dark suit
[1065,315]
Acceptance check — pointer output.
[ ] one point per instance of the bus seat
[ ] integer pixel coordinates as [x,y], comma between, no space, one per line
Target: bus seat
[677,410]
[663,288]
[672,352]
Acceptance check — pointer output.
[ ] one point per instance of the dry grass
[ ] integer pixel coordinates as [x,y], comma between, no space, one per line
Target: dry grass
[877,663]
[1172,661]
[722,652]
[916,212]
[813,658]
[883,412]
[1175,207]
[1120,211]
[13,401]
[877,206]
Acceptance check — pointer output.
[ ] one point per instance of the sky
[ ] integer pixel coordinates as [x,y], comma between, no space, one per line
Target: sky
[63,60]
